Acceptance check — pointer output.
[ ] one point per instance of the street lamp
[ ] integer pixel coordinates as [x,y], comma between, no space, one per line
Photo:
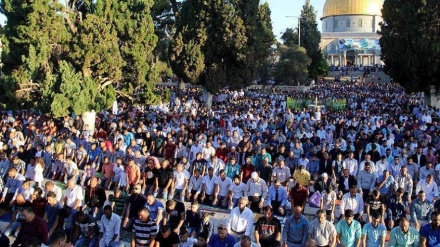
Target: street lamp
[299,27]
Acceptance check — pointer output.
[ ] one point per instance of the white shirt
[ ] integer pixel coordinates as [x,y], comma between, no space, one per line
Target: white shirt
[110,227]
[380,167]
[71,168]
[189,242]
[195,184]
[224,186]
[352,166]
[431,189]
[209,183]
[208,152]
[241,221]
[180,179]
[354,203]
[76,193]
[58,192]
[258,188]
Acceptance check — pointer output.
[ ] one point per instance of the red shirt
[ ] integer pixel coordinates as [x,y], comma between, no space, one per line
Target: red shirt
[247,170]
[299,196]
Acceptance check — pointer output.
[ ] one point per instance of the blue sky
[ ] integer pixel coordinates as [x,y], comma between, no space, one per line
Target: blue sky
[282,8]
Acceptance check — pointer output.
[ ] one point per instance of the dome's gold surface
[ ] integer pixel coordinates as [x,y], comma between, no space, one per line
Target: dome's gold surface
[352,7]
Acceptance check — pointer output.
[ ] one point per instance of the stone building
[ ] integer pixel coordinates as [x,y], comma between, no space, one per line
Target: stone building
[349,32]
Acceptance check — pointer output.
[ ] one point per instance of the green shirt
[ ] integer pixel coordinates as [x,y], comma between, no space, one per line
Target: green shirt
[398,238]
[348,234]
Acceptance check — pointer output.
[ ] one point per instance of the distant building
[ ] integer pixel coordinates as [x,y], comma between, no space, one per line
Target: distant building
[349,32]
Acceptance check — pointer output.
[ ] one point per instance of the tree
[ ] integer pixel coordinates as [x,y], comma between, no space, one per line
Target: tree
[56,55]
[221,43]
[290,37]
[410,43]
[292,65]
[310,39]
[136,38]
[34,40]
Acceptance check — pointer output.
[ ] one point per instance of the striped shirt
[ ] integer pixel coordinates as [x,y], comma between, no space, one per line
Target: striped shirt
[143,231]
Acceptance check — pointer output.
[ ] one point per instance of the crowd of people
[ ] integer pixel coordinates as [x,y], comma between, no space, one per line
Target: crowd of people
[133,169]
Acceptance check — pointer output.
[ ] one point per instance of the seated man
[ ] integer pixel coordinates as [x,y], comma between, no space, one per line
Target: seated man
[86,230]
[421,210]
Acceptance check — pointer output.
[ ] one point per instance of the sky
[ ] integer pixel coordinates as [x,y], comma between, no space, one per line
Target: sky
[282,8]
[279,10]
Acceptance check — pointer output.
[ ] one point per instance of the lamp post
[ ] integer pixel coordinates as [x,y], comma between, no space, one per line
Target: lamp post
[299,27]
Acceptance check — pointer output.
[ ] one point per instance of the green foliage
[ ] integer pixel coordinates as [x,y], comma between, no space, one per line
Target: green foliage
[310,39]
[219,43]
[33,40]
[292,65]
[64,58]
[410,43]
[290,37]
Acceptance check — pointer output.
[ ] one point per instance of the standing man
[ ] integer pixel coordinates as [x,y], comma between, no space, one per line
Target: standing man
[353,200]
[348,230]
[133,204]
[174,215]
[374,233]
[144,230]
[277,198]
[110,228]
[240,220]
[296,229]
[267,229]
[366,181]
[256,191]
[13,184]
[155,208]
[430,233]
[322,231]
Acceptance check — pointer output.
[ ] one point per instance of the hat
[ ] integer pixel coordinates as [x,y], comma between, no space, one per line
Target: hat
[233,147]
[254,175]
[281,158]
[324,175]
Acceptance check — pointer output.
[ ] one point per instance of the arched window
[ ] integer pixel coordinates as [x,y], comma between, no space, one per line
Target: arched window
[333,49]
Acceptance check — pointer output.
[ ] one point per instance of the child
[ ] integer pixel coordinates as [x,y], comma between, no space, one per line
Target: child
[207,225]
[38,170]
[202,240]
[89,172]
[193,220]
[236,190]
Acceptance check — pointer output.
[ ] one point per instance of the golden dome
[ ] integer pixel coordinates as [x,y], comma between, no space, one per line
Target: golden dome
[352,7]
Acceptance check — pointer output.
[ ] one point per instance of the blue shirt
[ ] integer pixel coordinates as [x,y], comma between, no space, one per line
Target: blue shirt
[282,195]
[349,233]
[313,166]
[385,189]
[231,171]
[421,210]
[52,213]
[296,232]
[215,241]
[432,236]
[374,235]
[153,209]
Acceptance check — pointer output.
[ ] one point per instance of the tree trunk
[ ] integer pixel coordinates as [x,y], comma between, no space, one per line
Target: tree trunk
[207,97]
[181,85]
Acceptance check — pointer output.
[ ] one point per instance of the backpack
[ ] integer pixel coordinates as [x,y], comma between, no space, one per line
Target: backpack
[315,200]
